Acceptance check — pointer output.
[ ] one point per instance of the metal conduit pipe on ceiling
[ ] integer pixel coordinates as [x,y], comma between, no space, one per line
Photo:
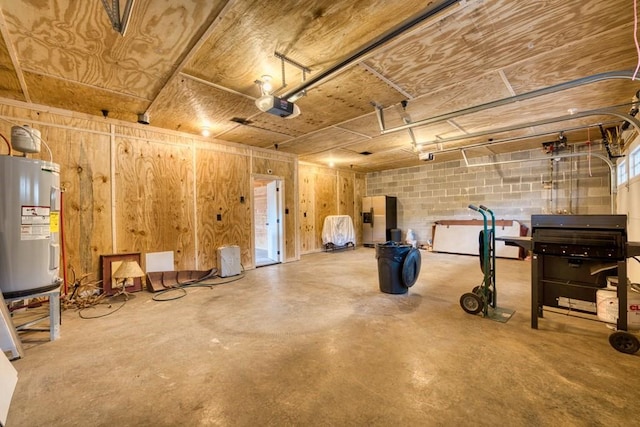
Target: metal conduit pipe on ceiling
[608,111]
[612,191]
[513,138]
[624,74]
[368,48]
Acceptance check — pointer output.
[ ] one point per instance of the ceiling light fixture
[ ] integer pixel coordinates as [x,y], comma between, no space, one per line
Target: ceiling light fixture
[205,131]
[267,87]
[269,103]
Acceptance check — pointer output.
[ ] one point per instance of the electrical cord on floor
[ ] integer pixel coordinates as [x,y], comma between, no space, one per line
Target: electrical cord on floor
[182,288]
[82,316]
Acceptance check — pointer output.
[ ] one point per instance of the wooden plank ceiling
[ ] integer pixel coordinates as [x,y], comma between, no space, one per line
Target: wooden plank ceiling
[191,64]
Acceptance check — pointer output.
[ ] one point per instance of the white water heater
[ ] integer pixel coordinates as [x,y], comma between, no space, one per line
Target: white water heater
[29,226]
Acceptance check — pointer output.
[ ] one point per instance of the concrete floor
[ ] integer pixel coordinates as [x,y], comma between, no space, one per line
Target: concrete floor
[315,342]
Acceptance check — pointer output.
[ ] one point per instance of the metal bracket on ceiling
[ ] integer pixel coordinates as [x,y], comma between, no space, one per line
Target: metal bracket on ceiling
[611,75]
[607,111]
[305,70]
[117,22]
[379,114]
[406,119]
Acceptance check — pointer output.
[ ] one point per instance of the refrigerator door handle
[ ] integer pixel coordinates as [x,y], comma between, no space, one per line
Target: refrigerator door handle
[372,217]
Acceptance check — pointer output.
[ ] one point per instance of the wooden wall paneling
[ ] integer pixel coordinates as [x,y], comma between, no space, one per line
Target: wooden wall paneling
[360,190]
[325,193]
[81,147]
[221,179]
[85,177]
[145,132]
[346,182]
[285,167]
[306,208]
[154,199]
[37,115]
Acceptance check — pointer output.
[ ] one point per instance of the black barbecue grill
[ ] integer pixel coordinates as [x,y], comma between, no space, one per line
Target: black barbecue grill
[572,255]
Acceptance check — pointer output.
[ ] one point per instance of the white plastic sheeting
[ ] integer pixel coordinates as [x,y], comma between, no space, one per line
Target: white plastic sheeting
[338,229]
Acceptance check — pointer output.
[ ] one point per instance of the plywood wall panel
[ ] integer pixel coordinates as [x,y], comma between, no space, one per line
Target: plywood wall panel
[306,209]
[326,199]
[158,205]
[221,179]
[86,180]
[326,191]
[83,157]
[50,117]
[360,190]
[278,166]
[145,132]
[154,199]
[346,184]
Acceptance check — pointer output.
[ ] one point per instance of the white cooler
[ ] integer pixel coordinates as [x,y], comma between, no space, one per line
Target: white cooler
[607,306]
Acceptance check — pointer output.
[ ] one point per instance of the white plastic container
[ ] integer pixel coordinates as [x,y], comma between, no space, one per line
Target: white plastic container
[607,306]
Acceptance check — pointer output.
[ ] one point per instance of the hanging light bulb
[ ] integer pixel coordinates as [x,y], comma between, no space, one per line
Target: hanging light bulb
[267,87]
[205,131]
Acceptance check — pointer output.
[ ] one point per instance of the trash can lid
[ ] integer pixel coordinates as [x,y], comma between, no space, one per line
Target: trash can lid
[411,268]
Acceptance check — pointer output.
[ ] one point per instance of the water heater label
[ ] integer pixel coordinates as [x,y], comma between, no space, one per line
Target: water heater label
[54,222]
[35,223]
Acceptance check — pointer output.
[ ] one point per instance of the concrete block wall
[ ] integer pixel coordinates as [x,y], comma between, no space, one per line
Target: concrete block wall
[531,183]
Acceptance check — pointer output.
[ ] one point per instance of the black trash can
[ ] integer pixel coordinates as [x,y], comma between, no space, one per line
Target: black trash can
[398,267]
[396,235]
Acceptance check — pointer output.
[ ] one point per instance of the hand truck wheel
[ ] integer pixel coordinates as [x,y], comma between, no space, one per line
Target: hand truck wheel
[471,303]
[476,290]
[624,342]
